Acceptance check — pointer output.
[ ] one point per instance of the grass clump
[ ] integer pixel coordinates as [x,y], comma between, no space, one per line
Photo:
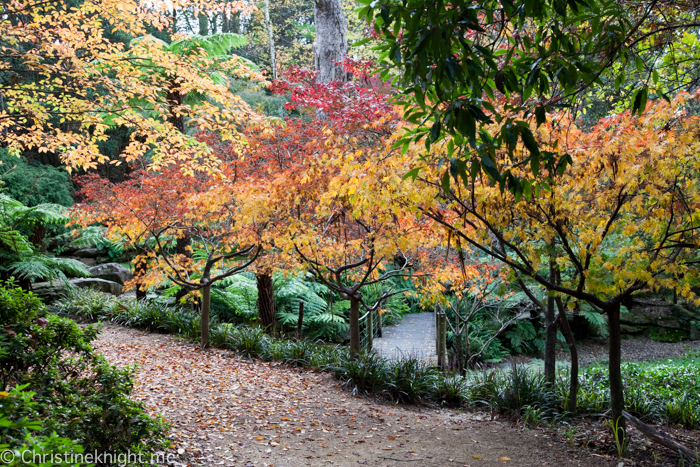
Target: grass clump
[664,391]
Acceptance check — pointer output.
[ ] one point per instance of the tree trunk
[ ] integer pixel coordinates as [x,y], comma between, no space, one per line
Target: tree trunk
[181,248]
[354,327]
[571,341]
[300,321]
[203,24]
[140,271]
[206,306]
[550,337]
[174,99]
[617,398]
[271,36]
[266,302]
[331,44]
[459,347]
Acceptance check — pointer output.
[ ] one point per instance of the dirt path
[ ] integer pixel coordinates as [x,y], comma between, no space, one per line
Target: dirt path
[232,412]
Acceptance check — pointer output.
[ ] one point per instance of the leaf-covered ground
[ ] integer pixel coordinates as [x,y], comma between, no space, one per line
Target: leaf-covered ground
[229,411]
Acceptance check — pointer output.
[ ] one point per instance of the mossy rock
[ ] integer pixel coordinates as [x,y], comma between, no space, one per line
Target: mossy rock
[635,319]
[684,313]
[667,335]
[627,329]
[669,323]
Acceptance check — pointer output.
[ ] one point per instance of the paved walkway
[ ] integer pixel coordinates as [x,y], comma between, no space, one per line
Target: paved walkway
[414,335]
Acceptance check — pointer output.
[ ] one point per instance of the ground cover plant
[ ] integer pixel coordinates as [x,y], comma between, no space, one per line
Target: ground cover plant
[660,392]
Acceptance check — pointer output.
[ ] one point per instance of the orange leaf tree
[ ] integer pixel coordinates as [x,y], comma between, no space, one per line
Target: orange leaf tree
[152,210]
[623,219]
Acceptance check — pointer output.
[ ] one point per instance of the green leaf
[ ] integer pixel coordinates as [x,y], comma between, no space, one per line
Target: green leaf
[413,173]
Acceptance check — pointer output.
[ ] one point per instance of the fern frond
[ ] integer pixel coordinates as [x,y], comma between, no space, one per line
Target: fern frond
[16,242]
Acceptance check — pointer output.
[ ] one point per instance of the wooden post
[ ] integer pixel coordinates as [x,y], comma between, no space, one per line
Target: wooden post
[370,331]
[300,321]
[379,324]
[443,339]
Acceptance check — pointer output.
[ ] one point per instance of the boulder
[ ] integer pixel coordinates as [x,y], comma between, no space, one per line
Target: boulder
[669,323]
[114,272]
[627,329]
[49,291]
[635,319]
[100,284]
[87,253]
[667,335]
[52,291]
[694,334]
[684,313]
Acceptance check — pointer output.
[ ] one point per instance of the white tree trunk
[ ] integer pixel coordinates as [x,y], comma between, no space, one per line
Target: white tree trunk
[270,33]
[331,44]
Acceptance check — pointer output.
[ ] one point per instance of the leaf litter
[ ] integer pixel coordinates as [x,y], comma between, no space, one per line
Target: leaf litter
[228,411]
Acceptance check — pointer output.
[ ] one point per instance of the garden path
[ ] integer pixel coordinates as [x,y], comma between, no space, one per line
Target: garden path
[228,411]
[414,335]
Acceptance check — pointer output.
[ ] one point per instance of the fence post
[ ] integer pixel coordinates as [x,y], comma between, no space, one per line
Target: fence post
[370,331]
[443,338]
[379,324]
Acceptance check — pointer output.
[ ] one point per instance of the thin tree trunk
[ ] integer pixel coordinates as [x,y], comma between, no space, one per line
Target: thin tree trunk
[266,302]
[571,341]
[271,36]
[206,306]
[459,347]
[354,327]
[550,339]
[331,44]
[617,397]
[182,248]
[175,100]
[140,271]
[300,321]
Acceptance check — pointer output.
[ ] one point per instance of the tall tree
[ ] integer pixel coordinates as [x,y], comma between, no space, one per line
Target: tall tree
[331,44]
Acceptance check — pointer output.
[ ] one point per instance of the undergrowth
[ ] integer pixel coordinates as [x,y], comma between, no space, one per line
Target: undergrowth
[666,391]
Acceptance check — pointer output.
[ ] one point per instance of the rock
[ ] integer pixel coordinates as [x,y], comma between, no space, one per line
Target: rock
[88,253]
[635,319]
[54,290]
[668,322]
[667,335]
[86,261]
[683,313]
[99,284]
[627,329]
[114,272]
[49,291]
[694,334]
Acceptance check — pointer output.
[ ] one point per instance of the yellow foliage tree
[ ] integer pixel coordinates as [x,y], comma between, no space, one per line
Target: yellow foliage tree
[69,83]
[624,218]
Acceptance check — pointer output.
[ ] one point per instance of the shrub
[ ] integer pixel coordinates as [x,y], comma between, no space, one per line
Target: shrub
[79,394]
[451,389]
[411,379]
[17,432]
[367,373]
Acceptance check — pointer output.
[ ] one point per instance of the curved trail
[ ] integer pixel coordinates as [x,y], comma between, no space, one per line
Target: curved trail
[228,411]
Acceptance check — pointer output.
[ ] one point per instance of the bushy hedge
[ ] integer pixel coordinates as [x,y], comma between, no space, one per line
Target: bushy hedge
[663,392]
[77,394]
